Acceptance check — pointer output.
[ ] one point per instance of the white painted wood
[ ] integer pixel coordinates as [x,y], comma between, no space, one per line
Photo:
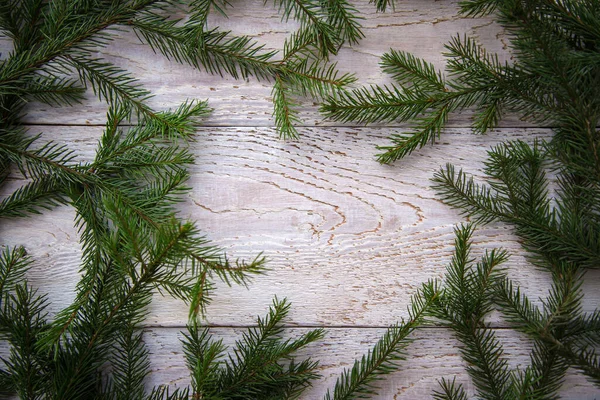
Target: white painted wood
[433,355]
[348,240]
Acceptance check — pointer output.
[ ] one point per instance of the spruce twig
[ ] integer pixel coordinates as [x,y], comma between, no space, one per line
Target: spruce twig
[555,63]
[133,242]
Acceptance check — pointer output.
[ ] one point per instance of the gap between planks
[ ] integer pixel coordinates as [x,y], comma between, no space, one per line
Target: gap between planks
[325,327]
[324,126]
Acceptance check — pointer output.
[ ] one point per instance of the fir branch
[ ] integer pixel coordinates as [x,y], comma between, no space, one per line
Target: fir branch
[300,45]
[237,56]
[461,192]
[544,377]
[51,158]
[121,302]
[22,318]
[382,5]
[32,198]
[284,112]
[130,366]
[132,242]
[377,104]
[478,8]
[548,81]
[587,361]
[519,196]
[450,391]
[383,358]
[109,82]
[203,357]
[464,304]
[344,17]
[517,308]
[200,296]
[238,272]
[313,79]
[427,130]
[14,263]
[53,90]
[302,67]
[217,52]
[9,18]
[407,69]
[86,31]
[199,9]
[165,37]
[479,79]
[254,364]
[585,328]
[309,13]
[254,370]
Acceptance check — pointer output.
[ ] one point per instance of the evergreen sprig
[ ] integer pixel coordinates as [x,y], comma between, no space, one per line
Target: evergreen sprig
[384,357]
[470,292]
[254,369]
[548,191]
[518,195]
[382,5]
[465,302]
[302,70]
[556,40]
[134,244]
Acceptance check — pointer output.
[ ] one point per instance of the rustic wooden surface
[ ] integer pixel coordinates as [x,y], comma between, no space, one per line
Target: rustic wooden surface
[348,240]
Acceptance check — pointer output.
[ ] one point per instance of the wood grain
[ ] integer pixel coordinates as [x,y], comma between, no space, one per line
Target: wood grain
[348,240]
[433,355]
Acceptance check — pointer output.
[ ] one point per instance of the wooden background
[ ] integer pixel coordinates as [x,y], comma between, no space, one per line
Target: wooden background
[348,240]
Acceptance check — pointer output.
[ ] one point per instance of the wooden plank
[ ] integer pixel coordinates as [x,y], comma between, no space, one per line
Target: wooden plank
[348,240]
[417,26]
[433,355]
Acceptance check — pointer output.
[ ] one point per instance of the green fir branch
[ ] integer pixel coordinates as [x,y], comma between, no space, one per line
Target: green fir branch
[284,113]
[408,70]
[133,244]
[314,21]
[449,390]
[382,5]
[130,366]
[344,18]
[384,357]
[23,321]
[33,198]
[256,368]
[14,263]
[466,300]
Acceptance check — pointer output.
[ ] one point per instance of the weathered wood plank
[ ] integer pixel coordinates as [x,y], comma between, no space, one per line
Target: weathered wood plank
[420,27]
[433,355]
[349,240]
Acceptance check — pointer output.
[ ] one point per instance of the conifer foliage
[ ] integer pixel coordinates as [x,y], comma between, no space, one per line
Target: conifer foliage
[553,80]
[133,242]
